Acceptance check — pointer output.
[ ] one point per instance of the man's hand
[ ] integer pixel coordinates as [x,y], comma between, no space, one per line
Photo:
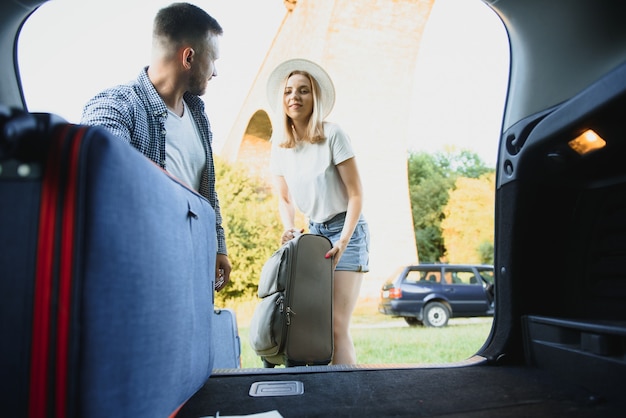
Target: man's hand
[222,271]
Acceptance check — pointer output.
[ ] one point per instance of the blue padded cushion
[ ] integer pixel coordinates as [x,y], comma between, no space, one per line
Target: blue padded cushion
[142,303]
[147,297]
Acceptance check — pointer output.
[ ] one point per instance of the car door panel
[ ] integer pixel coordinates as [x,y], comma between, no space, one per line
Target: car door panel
[465,292]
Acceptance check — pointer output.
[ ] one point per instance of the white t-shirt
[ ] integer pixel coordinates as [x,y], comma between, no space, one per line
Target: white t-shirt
[184,153]
[311,173]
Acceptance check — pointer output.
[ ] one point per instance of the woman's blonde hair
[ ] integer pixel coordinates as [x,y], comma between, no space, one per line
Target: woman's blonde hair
[315,128]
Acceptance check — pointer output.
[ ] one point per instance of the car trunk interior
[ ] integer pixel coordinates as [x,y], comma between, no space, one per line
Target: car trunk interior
[558,342]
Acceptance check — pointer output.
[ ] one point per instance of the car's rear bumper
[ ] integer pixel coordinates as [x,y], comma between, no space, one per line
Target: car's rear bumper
[394,308]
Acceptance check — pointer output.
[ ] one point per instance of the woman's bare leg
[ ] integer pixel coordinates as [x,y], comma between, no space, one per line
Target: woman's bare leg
[346,293]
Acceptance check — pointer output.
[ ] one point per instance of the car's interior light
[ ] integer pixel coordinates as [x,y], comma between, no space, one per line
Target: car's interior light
[587,142]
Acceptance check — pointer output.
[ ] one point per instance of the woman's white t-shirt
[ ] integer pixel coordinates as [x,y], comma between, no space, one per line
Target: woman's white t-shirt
[311,174]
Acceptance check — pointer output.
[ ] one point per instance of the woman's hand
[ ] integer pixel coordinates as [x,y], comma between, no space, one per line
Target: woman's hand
[290,234]
[336,252]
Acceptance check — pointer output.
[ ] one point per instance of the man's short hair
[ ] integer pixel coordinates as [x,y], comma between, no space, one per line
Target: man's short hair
[184,22]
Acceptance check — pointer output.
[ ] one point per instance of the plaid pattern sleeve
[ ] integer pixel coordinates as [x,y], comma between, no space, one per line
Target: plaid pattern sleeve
[112,110]
[133,112]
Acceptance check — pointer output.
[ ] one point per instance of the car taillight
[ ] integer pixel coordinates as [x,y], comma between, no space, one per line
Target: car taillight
[395,293]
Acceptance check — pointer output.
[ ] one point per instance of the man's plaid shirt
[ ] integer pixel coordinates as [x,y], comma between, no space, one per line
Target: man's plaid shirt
[136,113]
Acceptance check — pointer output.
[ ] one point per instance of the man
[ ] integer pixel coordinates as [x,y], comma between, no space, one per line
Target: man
[161,113]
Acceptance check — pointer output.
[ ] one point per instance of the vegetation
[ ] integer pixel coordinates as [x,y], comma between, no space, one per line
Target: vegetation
[382,340]
[452,198]
[252,227]
[401,344]
[432,180]
[469,218]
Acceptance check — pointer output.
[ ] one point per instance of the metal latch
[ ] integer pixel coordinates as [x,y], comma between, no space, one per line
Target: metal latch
[277,388]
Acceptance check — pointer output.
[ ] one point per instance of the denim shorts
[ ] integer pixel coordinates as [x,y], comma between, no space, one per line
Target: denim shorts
[356,255]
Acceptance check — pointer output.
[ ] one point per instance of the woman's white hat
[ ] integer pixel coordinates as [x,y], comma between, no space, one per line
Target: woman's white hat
[276,81]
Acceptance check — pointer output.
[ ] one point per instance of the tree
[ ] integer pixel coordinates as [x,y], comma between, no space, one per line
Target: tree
[431,178]
[464,163]
[252,226]
[468,224]
[429,182]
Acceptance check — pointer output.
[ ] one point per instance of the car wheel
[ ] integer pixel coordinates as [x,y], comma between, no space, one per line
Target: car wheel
[413,321]
[436,315]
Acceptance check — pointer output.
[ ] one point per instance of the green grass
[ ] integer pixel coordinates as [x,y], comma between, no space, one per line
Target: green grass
[419,344]
[381,340]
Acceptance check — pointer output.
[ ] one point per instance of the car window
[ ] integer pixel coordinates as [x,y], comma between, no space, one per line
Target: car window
[461,277]
[432,276]
[414,276]
[487,274]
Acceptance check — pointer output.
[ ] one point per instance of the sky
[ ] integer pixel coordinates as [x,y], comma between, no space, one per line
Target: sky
[462,70]
[462,64]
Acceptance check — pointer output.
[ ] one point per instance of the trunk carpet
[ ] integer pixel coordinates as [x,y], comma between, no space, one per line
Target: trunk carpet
[335,391]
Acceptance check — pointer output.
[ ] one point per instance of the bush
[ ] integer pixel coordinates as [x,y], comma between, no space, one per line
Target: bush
[252,225]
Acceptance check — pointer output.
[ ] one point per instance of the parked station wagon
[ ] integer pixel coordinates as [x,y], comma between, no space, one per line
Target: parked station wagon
[431,294]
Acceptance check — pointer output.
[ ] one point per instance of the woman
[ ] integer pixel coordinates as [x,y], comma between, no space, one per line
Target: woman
[315,170]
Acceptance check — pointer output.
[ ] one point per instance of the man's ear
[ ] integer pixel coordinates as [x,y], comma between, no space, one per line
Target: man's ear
[188,55]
